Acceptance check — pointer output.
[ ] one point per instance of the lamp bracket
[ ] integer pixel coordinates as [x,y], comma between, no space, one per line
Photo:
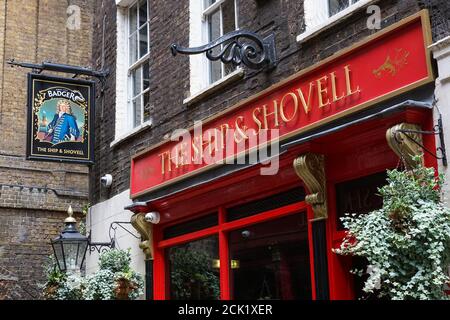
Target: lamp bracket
[101,247]
[255,54]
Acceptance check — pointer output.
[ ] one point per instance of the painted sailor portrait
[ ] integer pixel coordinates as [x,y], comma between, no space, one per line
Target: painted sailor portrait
[64,126]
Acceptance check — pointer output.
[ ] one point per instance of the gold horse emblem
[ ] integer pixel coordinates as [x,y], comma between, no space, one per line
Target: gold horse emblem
[392,66]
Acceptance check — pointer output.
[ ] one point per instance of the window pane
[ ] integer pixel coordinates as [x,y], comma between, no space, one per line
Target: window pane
[214,33]
[270,260]
[143,41]
[207,3]
[136,81]
[337,6]
[137,112]
[147,106]
[133,48]
[205,222]
[193,270]
[228,17]
[133,19]
[146,76]
[143,13]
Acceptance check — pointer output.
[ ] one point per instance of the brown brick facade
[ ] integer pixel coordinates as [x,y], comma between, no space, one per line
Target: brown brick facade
[34,196]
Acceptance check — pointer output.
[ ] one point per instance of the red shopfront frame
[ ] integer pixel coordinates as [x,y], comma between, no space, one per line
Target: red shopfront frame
[341,151]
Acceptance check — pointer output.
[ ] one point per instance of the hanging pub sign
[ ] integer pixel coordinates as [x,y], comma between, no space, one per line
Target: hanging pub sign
[60,119]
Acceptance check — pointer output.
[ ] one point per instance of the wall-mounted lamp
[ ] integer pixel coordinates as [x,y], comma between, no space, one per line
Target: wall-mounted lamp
[70,246]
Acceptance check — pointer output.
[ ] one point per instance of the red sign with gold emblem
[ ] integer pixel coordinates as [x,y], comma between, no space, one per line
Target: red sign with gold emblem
[386,64]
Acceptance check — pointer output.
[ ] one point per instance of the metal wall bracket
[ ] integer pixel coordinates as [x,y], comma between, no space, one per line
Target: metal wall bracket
[65,68]
[437,130]
[257,53]
[105,246]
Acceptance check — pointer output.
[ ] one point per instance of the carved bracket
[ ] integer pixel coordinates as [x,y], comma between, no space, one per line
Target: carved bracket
[405,140]
[311,169]
[145,230]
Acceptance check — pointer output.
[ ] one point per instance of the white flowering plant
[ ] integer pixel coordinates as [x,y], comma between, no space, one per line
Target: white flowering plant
[114,271]
[407,242]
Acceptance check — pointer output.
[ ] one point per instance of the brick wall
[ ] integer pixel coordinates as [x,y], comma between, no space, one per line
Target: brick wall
[34,196]
[170,76]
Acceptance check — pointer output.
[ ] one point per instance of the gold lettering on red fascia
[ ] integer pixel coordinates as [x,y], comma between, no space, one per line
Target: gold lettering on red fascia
[322,91]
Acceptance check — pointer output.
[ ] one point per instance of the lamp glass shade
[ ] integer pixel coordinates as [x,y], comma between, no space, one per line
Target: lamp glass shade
[70,249]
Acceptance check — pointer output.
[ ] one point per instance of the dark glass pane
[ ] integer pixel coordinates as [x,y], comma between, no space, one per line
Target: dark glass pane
[136,76]
[137,111]
[359,196]
[146,106]
[143,12]
[132,19]
[229,24]
[228,17]
[205,222]
[271,260]
[193,270]
[133,48]
[59,255]
[208,3]
[146,76]
[214,33]
[143,41]
[337,6]
[269,203]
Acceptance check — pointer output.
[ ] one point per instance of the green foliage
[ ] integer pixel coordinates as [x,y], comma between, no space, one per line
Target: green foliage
[407,242]
[193,276]
[114,266]
[115,261]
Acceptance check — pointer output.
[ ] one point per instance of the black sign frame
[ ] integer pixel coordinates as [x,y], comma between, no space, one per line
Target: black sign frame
[83,151]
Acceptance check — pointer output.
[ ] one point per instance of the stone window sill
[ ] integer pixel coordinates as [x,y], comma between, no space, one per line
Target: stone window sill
[232,77]
[332,21]
[131,133]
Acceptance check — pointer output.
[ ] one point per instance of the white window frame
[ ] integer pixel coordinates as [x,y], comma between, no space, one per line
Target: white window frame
[317,17]
[200,86]
[123,113]
[137,64]
[206,12]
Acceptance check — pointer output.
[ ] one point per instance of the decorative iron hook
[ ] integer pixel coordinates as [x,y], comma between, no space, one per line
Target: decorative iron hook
[259,54]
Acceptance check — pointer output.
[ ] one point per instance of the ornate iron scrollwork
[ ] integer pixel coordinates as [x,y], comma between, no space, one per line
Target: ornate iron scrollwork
[260,53]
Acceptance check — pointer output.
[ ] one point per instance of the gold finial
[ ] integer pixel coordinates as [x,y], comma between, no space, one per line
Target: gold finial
[70,219]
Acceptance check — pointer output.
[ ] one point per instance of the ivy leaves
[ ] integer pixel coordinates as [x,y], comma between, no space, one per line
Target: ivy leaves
[407,242]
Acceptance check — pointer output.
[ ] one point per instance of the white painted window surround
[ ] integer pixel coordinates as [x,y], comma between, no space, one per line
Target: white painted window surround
[200,85]
[123,116]
[317,17]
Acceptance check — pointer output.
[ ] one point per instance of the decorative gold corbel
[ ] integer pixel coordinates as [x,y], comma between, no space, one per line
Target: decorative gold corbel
[145,229]
[403,146]
[310,168]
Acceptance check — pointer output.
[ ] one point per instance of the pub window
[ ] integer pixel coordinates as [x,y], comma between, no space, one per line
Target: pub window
[359,196]
[219,17]
[138,63]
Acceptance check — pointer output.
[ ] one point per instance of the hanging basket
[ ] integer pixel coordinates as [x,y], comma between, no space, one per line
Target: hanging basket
[124,288]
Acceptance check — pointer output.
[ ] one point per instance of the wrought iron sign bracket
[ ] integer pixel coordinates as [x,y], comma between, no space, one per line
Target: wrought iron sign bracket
[255,53]
[65,68]
[437,130]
